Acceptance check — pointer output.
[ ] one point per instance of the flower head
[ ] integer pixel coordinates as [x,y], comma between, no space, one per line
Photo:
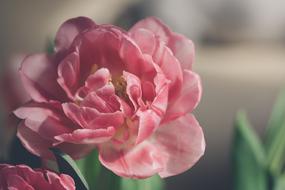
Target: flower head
[127,93]
[22,177]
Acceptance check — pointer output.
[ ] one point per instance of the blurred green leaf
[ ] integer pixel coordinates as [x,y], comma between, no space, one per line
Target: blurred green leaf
[108,180]
[153,183]
[248,157]
[275,136]
[67,166]
[50,46]
[90,168]
[280,183]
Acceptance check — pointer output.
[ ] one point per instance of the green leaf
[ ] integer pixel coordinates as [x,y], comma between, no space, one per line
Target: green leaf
[275,141]
[108,180]
[248,157]
[280,183]
[153,183]
[67,166]
[49,46]
[90,168]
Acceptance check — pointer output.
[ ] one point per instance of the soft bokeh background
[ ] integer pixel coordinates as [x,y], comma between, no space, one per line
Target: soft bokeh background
[240,55]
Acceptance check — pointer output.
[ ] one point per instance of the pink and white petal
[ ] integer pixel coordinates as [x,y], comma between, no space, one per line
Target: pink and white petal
[133,57]
[181,143]
[90,118]
[145,39]
[149,121]
[43,120]
[15,182]
[172,71]
[183,50]
[133,89]
[58,181]
[36,110]
[33,142]
[99,47]
[66,182]
[87,136]
[188,99]
[107,96]
[154,25]
[68,74]
[39,75]
[160,102]
[140,161]
[99,79]
[69,30]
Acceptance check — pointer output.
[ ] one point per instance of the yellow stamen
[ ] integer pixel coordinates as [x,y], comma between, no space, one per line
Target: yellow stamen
[120,86]
[94,68]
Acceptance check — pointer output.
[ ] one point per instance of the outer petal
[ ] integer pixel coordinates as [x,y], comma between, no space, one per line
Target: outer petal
[60,182]
[44,120]
[181,143]
[154,25]
[140,161]
[182,48]
[188,98]
[69,73]
[148,123]
[33,142]
[38,73]
[15,182]
[69,30]
[39,145]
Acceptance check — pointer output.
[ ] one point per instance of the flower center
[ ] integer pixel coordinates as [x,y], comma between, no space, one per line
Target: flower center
[120,85]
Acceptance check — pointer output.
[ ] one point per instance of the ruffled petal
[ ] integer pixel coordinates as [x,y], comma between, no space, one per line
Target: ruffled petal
[39,75]
[87,136]
[44,120]
[183,50]
[181,144]
[133,89]
[188,98]
[155,26]
[69,73]
[69,30]
[60,181]
[181,47]
[90,118]
[140,161]
[145,39]
[148,122]
[33,142]
[15,182]
[172,71]
[99,79]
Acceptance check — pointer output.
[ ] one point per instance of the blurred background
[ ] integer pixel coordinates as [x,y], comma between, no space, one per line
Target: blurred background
[240,55]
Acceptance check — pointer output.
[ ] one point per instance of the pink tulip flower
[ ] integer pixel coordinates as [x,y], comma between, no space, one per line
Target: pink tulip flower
[128,94]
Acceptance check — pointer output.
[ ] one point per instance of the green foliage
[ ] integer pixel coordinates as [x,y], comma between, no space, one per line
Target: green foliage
[248,157]
[90,167]
[153,183]
[275,137]
[280,183]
